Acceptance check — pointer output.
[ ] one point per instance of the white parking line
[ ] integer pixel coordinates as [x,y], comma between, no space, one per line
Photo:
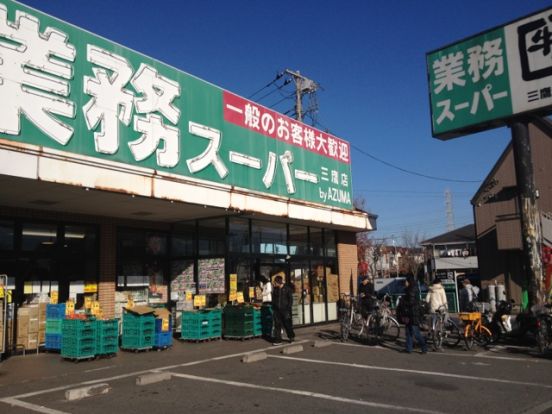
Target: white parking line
[136,373]
[414,371]
[33,407]
[491,354]
[307,394]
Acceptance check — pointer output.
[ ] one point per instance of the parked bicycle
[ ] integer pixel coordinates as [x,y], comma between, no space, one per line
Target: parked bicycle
[474,330]
[381,326]
[443,331]
[350,319]
[544,329]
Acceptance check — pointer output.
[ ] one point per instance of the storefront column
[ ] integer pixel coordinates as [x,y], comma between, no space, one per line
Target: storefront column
[348,261]
[108,269]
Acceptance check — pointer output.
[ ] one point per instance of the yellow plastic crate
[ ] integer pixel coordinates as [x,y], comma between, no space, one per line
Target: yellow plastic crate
[469,316]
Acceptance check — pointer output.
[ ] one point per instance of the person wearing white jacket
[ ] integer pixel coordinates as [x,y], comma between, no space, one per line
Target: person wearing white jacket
[436,297]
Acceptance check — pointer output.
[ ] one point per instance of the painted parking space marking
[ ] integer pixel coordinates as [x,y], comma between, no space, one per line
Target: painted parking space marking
[335,398]
[490,354]
[33,407]
[145,371]
[414,371]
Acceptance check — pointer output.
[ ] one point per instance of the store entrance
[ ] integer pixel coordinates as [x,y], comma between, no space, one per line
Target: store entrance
[280,267]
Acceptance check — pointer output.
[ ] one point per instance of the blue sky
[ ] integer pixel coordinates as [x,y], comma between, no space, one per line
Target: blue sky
[369,58]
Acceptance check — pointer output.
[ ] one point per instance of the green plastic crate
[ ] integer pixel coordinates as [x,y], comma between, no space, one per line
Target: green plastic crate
[137,342]
[78,328]
[107,349]
[78,353]
[53,326]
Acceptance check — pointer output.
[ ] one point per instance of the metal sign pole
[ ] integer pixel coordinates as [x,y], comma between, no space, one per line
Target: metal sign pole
[530,223]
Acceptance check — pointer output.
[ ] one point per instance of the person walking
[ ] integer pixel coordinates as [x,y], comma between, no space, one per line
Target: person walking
[411,315]
[468,294]
[282,301]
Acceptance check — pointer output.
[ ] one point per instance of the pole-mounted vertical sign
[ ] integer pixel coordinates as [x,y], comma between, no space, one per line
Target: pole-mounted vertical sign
[483,81]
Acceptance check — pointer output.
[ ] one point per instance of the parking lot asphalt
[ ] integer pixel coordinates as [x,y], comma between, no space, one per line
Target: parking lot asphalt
[341,377]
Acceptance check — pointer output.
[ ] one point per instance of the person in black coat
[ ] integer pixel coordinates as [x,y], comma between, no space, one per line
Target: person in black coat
[366,293]
[412,315]
[282,301]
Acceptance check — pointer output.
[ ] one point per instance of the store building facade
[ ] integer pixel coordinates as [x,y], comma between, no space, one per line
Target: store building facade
[125,178]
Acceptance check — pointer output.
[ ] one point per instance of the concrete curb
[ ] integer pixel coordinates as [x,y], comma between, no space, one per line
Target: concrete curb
[147,379]
[292,349]
[84,392]
[322,344]
[254,357]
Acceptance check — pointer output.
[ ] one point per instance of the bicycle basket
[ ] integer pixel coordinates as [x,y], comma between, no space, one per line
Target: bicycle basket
[469,316]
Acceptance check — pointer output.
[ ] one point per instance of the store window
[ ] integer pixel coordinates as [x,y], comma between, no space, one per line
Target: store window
[38,237]
[316,246]
[299,279]
[330,248]
[242,268]
[238,235]
[332,288]
[269,237]
[212,237]
[183,244]
[317,279]
[298,240]
[141,267]
[6,235]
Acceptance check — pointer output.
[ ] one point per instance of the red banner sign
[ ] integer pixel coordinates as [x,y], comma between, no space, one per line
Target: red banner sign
[254,117]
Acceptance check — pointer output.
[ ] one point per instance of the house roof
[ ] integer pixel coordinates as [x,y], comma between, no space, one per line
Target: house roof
[461,235]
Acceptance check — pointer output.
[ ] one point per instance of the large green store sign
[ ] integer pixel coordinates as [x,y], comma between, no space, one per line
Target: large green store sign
[64,88]
[483,81]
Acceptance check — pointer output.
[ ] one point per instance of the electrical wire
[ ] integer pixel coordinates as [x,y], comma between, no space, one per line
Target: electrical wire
[404,170]
[278,76]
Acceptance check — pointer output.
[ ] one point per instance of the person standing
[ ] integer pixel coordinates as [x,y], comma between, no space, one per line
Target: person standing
[282,301]
[266,287]
[366,293]
[436,296]
[411,316]
[468,295]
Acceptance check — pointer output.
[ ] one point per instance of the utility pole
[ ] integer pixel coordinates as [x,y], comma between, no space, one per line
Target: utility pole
[303,86]
[530,222]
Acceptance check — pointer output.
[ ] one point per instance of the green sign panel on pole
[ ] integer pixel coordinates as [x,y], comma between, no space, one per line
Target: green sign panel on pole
[484,81]
[67,89]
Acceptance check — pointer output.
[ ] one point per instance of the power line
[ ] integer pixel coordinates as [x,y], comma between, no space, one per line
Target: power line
[278,76]
[388,164]
[430,177]
[286,82]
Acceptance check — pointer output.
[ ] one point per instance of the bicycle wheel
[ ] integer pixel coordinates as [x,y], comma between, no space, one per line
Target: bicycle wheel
[437,334]
[391,329]
[345,326]
[482,335]
[452,334]
[468,336]
[542,336]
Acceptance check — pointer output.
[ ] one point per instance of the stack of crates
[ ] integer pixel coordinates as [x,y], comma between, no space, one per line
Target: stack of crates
[54,317]
[242,322]
[138,331]
[79,338]
[201,325]
[107,337]
[266,321]
[163,339]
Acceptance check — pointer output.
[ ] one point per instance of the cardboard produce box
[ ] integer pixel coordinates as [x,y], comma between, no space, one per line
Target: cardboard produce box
[33,325]
[22,325]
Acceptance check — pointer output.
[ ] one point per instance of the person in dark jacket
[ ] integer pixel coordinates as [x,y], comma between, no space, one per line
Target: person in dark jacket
[412,317]
[366,293]
[282,301]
